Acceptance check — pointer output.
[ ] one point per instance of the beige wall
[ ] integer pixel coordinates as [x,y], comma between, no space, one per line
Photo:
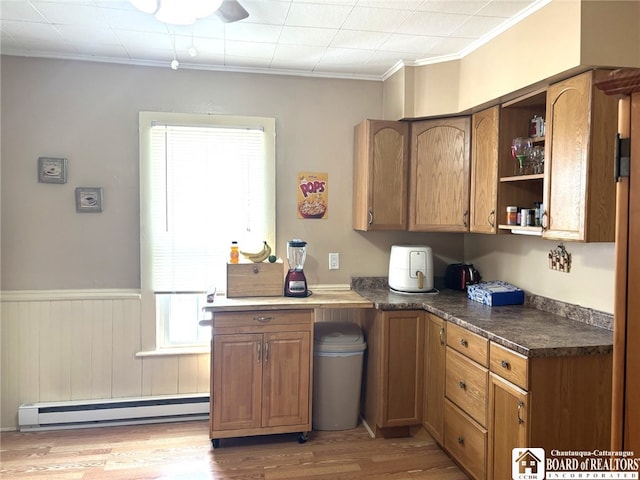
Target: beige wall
[88,113]
[524,261]
[564,37]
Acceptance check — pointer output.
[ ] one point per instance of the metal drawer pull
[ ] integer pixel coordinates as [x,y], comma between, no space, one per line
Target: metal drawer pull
[463,342]
[441,335]
[520,407]
[263,319]
[504,364]
[266,352]
[461,440]
[259,345]
[462,385]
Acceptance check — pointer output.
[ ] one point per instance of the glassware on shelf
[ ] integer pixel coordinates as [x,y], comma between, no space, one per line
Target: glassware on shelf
[520,150]
[537,159]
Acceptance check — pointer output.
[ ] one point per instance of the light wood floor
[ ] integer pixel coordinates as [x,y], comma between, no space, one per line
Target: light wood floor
[182,451]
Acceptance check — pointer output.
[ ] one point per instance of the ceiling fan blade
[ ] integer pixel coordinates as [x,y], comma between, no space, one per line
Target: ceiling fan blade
[231,11]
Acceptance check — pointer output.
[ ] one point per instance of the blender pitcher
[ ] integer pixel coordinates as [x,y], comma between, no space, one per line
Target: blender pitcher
[295,284]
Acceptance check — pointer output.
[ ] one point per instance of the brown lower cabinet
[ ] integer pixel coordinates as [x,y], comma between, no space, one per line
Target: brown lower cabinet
[563,403]
[490,399]
[261,365]
[394,369]
[435,344]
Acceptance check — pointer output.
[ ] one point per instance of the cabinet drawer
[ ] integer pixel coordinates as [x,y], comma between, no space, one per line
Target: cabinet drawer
[509,365]
[258,318]
[465,440]
[466,385]
[468,343]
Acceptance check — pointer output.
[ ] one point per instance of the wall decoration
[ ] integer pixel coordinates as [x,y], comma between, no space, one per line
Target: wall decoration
[560,259]
[52,170]
[88,199]
[313,195]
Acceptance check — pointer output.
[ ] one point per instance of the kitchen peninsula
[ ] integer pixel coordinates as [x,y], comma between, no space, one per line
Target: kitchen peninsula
[485,380]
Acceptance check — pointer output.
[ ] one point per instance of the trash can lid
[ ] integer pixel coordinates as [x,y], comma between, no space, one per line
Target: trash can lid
[338,336]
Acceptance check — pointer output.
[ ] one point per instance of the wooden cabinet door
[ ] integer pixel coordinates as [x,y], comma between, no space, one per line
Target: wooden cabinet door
[579,190]
[508,425]
[237,381]
[402,365]
[439,175]
[381,169]
[286,378]
[434,376]
[484,171]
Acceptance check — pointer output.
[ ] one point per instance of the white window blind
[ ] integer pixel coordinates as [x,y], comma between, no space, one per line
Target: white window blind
[208,188]
[205,180]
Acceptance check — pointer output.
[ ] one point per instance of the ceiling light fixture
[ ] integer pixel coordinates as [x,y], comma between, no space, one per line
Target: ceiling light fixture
[174,63]
[178,12]
[192,49]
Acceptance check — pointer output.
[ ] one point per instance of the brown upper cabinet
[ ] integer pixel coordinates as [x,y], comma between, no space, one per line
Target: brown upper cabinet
[579,188]
[381,167]
[484,171]
[460,174]
[439,175]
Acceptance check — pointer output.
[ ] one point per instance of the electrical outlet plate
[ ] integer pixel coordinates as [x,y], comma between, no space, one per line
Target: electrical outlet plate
[334,261]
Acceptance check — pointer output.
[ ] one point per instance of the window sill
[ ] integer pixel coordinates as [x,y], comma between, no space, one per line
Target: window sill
[165,352]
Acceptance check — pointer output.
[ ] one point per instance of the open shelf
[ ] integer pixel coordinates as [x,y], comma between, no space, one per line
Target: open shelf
[535,231]
[520,178]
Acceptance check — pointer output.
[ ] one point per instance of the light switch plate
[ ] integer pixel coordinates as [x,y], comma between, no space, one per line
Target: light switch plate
[334,261]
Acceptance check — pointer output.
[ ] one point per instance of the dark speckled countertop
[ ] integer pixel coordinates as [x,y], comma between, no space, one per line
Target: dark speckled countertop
[538,328]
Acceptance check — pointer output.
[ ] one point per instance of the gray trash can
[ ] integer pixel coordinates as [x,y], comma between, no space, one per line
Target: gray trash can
[338,351]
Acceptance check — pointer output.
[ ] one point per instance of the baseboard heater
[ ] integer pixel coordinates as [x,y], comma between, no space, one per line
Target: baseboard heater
[125,411]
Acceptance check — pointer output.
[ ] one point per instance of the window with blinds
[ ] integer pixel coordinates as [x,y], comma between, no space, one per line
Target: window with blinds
[205,181]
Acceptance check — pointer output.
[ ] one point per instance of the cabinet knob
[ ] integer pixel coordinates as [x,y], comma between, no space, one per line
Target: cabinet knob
[462,385]
[464,343]
[504,364]
[461,440]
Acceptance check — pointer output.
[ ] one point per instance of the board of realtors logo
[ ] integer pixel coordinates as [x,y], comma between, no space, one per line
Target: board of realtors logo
[527,464]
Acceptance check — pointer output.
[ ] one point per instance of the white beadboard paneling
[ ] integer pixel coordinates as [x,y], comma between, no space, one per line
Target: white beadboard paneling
[82,344]
[102,347]
[10,356]
[127,370]
[82,352]
[193,369]
[55,358]
[160,375]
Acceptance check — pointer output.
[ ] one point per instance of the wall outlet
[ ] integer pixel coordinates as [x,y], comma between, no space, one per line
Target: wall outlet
[334,261]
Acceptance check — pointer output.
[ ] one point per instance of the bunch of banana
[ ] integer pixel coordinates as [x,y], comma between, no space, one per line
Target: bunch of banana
[260,256]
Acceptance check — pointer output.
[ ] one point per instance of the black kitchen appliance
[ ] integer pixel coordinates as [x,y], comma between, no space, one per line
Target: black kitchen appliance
[459,275]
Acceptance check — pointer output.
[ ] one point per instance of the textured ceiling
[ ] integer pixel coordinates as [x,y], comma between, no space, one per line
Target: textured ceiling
[333,38]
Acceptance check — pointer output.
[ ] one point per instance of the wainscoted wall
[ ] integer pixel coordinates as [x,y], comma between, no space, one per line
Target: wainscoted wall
[82,344]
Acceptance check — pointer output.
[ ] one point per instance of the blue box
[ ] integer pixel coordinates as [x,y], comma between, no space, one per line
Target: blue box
[495,293]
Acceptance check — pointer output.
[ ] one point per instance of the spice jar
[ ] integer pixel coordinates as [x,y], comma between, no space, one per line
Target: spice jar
[512,215]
